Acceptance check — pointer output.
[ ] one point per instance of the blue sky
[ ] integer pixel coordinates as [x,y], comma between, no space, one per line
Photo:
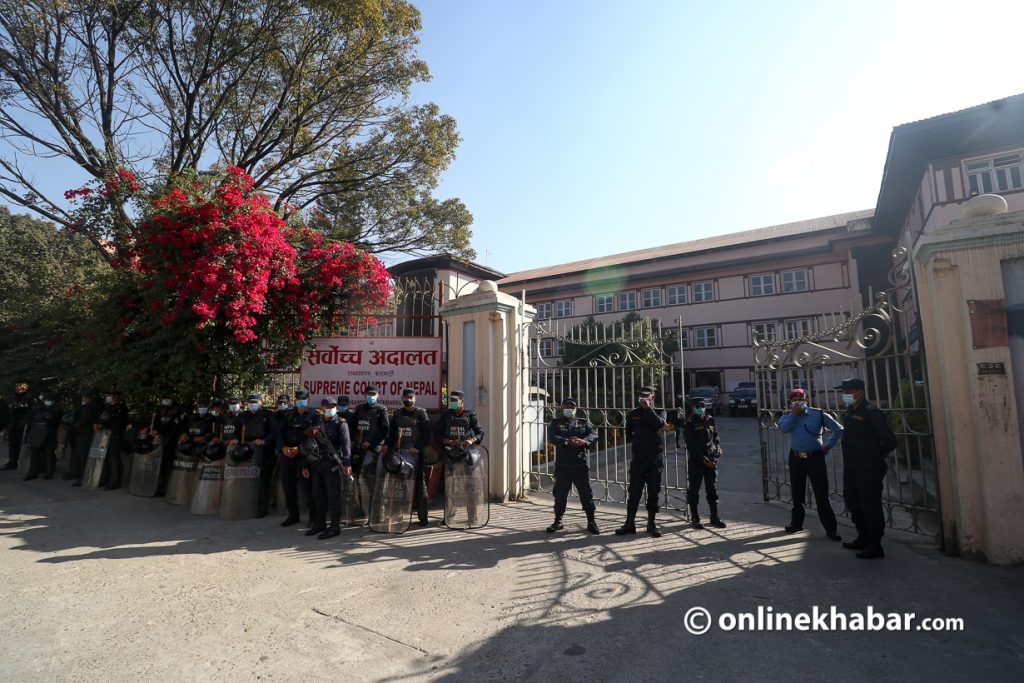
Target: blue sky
[594,127]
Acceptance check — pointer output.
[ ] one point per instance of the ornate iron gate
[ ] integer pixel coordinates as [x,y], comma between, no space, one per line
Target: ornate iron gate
[603,366]
[881,345]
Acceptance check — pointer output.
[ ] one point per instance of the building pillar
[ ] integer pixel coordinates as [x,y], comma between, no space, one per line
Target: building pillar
[487,347]
[975,403]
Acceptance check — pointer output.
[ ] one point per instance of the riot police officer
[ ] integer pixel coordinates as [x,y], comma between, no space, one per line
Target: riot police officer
[230,431]
[867,439]
[270,460]
[198,427]
[299,424]
[166,425]
[43,421]
[258,426]
[643,429]
[703,449]
[410,432]
[82,421]
[20,404]
[572,437]
[325,471]
[457,428]
[371,421]
[114,417]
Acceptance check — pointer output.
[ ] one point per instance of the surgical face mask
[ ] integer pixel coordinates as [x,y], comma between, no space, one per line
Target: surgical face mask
[165,402]
[282,406]
[108,400]
[47,403]
[254,407]
[699,412]
[569,412]
[234,407]
[204,410]
[342,409]
[454,404]
[301,403]
[848,400]
[408,402]
[85,401]
[371,400]
[800,405]
[330,412]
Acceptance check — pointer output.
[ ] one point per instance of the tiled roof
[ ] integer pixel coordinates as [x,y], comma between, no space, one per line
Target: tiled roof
[681,248]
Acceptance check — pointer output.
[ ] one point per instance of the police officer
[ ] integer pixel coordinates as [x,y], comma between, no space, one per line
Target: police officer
[270,459]
[82,421]
[325,473]
[644,425]
[299,424]
[867,439]
[258,427]
[166,425]
[458,427]
[410,432]
[703,449]
[43,421]
[19,406]
[199,426]
[372,426]
[807,459]
[230,431]
[114,417]
[572,437]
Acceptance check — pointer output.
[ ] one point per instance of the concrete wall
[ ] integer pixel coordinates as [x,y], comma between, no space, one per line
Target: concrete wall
[976,412]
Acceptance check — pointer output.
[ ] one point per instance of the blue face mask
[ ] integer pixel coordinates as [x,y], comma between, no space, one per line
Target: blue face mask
[301,403]
[370,400]
[342,409]
[204,411]
[569,412]
[699,412]
[454,405]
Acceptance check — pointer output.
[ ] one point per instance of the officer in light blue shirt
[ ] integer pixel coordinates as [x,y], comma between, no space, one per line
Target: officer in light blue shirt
[807,459]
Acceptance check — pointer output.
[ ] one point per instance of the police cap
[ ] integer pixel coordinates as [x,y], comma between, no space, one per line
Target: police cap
[852,384]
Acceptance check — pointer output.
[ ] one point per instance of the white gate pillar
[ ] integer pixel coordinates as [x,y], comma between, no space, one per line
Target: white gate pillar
[487,346]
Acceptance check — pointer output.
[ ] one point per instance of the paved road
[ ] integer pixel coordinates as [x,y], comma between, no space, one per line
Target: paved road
[105,586]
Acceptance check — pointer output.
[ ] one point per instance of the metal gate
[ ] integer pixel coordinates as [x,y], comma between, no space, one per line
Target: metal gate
[602,366]
[881,345]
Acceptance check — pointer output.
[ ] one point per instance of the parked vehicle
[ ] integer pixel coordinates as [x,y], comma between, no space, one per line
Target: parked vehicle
[743,400]
[710,396]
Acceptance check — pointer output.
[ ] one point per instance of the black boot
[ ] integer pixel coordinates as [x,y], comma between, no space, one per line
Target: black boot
[315,529]
[592,523]
[652,528]
[872,551]
[695,518]
[333,530]
[556,525]
[855,544]
[716,521]
[290,519]
[630,525]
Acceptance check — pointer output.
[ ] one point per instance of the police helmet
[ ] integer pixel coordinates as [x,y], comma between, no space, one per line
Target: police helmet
[185,448]
[214,452]
[144,444]
[242,453]
[310,450]
[393,463]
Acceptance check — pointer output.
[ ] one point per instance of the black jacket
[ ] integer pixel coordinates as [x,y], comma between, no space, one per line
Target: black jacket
[643,430]
[701,436]
[561,429]
[409,429]
[867,437]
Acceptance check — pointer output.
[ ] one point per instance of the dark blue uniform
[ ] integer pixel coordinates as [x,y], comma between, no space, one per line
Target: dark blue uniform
[371,427]
[571,467]
[43,422]
[82,421]
[867,438]
[643,429]
[19,408]
[702,452]
[115,417]
[410,428]
[296,428]
[326,475]
[167,424]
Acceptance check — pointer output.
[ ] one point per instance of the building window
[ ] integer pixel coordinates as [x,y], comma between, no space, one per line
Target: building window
[763,332]
[684,339]
[563,308]
[604,303]
[762,285]
[704,337]
[995,174]
[627,301]
[798,328]
[551,348]
[544,310]
[651,298]
[794,281]
[675,295]
[703,291]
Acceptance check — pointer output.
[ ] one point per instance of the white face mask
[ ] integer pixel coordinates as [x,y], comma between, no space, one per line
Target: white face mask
[282,406]
[234,407]
[848,400]
[109,400]
[254,407]
[165,402]
[569,412]
[330,412]
[800,405]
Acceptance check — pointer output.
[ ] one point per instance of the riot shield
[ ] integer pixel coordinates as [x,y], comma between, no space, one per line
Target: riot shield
[145,475]
[241,489]
[94,463]
[25,460]
[366,482]
[352,512]
[391,504]
[466,503]
[206,495]
[184,470]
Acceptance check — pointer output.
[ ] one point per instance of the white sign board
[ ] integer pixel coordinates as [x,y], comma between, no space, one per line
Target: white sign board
[345,366]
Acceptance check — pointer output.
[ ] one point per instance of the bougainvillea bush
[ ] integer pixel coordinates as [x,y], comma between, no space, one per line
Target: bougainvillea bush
[209,284]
